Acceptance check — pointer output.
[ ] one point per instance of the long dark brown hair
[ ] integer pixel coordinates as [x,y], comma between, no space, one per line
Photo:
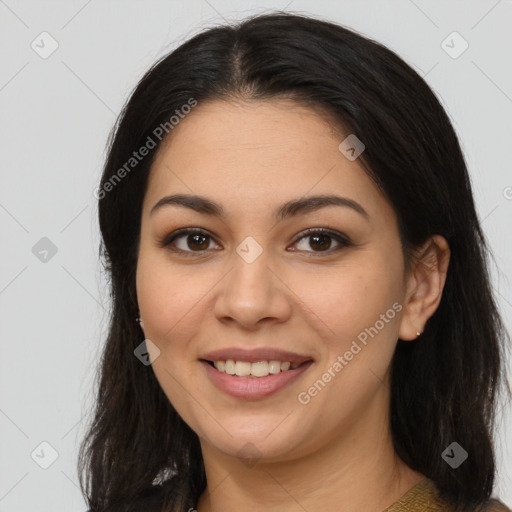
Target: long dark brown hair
[138,454]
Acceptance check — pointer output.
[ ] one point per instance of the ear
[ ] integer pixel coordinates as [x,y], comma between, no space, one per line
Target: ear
[424,286]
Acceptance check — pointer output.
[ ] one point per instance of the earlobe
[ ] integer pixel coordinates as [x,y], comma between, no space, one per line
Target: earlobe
[424,286]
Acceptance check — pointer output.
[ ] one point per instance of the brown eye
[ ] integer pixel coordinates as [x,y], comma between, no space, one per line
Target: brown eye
[321,240]
[187,241]
[197,241]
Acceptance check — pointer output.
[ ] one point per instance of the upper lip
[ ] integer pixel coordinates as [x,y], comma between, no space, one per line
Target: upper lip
[255,355]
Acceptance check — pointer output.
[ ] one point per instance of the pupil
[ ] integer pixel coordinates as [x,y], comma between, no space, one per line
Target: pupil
[325,238]
[196,238]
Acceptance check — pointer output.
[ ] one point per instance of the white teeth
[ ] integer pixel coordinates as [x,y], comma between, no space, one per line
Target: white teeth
[261,369]
[242,369]
[274,366]
[230,367]
[258,369]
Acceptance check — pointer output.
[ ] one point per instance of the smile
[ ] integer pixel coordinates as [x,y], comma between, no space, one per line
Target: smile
[253,381]
[257,369]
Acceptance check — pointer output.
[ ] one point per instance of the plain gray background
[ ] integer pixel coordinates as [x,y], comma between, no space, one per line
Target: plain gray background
[56,113]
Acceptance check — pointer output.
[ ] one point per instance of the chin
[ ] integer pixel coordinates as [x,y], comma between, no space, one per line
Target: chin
[269,440]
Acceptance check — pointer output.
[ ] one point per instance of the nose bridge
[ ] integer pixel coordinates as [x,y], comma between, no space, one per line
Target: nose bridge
[251,291]
[250,277]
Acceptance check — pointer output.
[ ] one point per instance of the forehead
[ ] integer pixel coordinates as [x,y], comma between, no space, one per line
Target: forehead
[242,130]
[258,153]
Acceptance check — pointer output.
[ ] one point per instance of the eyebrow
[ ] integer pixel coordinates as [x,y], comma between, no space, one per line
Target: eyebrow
[291,208]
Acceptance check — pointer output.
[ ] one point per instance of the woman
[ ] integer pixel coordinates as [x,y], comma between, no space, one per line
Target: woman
[286,212]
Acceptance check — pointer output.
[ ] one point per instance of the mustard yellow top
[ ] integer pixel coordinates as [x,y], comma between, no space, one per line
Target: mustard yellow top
[424,497]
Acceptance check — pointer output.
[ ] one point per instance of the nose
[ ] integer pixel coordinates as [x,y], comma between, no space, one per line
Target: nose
[252,294]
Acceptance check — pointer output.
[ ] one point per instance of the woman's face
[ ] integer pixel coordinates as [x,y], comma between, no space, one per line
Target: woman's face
[253,285]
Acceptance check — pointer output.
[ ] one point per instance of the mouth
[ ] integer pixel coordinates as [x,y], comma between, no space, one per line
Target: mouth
[253,380]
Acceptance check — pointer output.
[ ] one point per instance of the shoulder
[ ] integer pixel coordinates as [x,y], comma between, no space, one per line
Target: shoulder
[424,497]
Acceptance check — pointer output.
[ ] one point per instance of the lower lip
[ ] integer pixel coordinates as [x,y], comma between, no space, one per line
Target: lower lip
[253,387]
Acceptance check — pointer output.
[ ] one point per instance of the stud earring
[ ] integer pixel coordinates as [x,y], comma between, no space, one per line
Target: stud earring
[418,334]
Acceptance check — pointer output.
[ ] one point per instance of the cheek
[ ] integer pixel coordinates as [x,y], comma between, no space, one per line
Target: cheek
[168,304]
[157,293]
[173,303]
[353,299]
[361,308]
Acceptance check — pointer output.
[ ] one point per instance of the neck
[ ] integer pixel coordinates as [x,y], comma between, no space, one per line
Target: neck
[356,471]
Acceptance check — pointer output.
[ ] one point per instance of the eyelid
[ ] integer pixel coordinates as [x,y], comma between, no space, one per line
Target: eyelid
[337,235]
[342,239]
[171,237]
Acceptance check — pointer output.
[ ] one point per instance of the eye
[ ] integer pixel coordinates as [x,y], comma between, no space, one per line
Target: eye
[194,240]
[187,240]
[321,239]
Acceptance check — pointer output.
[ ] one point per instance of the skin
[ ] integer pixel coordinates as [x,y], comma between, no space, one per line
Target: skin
[335,452]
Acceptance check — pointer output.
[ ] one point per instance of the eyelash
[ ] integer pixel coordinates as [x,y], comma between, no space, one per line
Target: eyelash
[343,240]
